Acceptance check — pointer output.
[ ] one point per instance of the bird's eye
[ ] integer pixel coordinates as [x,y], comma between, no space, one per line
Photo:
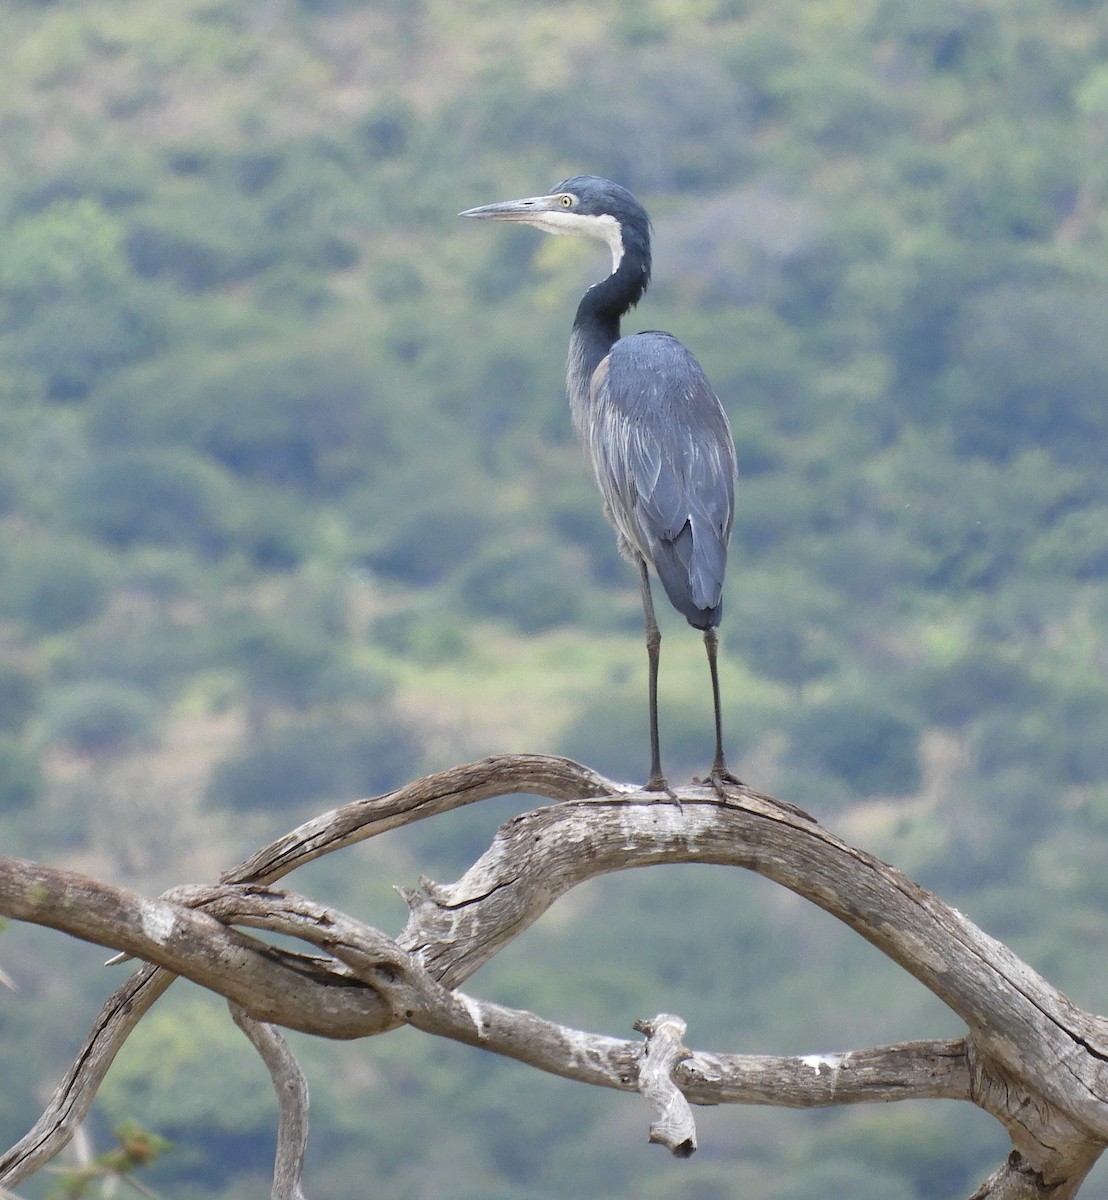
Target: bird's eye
[567,201]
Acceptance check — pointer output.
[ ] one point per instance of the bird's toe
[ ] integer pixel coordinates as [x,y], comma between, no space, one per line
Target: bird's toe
[721,778]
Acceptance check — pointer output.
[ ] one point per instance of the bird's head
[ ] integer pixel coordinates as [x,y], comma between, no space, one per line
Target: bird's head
[586,206]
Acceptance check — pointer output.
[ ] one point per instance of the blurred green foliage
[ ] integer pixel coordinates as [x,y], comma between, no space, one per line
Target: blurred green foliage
[290,511]
[858,743]
[21,778]
[97,718]
[325,762]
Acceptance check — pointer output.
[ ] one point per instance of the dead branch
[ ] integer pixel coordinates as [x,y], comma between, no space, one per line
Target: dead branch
[292,1103]
[661,1052]
[1029,1056]
[72,1099]
[501,775]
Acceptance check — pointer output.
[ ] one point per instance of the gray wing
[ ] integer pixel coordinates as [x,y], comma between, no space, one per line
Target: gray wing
[664,458]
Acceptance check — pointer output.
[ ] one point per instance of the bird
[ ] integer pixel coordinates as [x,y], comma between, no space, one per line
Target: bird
[654,431]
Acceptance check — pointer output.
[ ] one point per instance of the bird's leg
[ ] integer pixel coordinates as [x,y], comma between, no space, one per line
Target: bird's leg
[657,781]
[719,774]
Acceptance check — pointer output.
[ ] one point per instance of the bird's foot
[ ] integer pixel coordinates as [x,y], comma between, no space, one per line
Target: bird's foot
[721,778]
[657,783]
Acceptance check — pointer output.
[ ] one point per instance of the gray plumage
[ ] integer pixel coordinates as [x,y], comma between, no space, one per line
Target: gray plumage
[663,457]
[654,431]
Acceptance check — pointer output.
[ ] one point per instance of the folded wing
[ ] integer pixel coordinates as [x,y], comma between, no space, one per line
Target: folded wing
[664,459]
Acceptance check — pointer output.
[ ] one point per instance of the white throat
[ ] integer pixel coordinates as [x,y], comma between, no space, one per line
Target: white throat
[604,229]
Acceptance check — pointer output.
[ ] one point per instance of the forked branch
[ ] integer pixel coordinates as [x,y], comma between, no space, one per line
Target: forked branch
[1029,1056]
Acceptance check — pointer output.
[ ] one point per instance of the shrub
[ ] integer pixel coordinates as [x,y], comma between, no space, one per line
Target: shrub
[423,547]
[52,584]
[1031,371]
[99,718]
[20,777]
[532,588]
[860,743]
[979,681]
[281,665]
[18,697]
[300,415]
[326,761]
[167,497]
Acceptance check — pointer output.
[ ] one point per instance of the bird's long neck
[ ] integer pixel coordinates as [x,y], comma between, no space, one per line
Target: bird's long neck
[596,326]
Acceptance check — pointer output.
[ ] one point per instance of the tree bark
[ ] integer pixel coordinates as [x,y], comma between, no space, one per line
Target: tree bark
[1029,1056]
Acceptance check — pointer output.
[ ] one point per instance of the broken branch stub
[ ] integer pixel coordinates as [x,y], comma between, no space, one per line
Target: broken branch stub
[663,1049]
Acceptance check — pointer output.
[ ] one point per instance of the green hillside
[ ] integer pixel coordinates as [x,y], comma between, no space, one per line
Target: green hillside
[291,511]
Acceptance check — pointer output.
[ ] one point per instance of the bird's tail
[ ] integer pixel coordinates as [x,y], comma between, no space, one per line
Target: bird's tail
[691,569]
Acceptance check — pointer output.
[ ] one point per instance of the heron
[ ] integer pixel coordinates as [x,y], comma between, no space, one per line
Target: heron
[654,431]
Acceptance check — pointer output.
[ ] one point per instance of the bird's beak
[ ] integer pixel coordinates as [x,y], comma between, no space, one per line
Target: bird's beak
[534,207]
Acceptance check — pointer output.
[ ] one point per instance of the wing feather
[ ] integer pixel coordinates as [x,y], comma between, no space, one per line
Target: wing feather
[664,459]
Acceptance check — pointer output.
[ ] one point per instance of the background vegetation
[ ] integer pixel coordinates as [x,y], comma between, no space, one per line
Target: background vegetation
[290,511]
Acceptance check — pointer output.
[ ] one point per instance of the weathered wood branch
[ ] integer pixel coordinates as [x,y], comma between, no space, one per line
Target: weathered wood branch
[1030,1056]
[500,775]
[267,983]
[918,1070]
[72,1099]
[1017,1179]
[291,1089]
[662,1051]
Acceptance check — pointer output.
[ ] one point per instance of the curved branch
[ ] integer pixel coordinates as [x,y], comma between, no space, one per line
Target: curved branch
[1022,1020]
[72,1099]
[499,775]
[537,857]
[271,986]
[1032,1058]
[913,1071]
